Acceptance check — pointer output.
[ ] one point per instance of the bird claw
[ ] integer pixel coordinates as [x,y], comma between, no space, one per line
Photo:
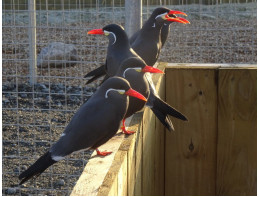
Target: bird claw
[103,153]
[127,132]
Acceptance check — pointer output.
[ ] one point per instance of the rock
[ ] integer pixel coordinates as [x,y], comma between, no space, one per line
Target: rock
[5,100]
[40,86]
[11,191]
[89,93]
[10,87]
[23,167]
[16,170]
[21,129]
[57,54]
[23,95]
[60,92]
[45,90]
[60,182]
[60,86]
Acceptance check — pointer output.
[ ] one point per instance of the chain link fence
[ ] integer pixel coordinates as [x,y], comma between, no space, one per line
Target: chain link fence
[35,114]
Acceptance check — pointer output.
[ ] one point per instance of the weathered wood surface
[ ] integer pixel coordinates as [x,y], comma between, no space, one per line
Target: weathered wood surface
[159,145]
[208,65]
[190,160]
[96,169]
[236,158]
[215,153]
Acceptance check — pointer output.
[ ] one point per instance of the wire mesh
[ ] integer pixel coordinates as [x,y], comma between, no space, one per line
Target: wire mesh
[34,115]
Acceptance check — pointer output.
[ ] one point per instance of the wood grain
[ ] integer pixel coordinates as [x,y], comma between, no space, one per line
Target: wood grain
[138,160]
[212,154]
[190,153]
[159,152]
[153,147]
[130,144]
[148,176]
[236,159]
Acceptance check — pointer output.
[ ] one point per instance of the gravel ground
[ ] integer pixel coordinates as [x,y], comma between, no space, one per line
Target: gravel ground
[31,130]
[35,116]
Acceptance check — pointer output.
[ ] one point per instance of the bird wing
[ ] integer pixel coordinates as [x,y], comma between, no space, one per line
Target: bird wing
[133,37]
[94,120]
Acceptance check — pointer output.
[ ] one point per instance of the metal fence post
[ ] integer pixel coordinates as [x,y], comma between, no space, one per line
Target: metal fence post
[32,42]
[133,16]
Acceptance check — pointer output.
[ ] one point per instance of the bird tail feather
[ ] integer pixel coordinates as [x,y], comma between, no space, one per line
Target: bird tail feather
[37,168]
[164,119]
[95,74]
[166,109]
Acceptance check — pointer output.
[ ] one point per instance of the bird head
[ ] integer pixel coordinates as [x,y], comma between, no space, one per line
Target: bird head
[165,15]
[138,65]
[120,86]
[113,31]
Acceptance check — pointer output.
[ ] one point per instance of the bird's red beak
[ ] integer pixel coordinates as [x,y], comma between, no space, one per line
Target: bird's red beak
[176,12]
[136,94]
[176,19]
[96,31]
[152,70]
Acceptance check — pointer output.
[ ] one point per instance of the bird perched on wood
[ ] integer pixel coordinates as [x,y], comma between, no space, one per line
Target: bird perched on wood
[95,122]
[133,70]
[119,47]
[148,41]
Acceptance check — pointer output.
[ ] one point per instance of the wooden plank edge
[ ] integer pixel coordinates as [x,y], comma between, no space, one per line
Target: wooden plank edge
[208,65]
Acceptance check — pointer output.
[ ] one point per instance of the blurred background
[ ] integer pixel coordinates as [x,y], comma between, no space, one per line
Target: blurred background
[46,52]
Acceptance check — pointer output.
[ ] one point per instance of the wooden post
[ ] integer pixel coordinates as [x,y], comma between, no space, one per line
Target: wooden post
[237,133]
[190,152]
[153,146]
[32,42]
[215,152]
[133,16]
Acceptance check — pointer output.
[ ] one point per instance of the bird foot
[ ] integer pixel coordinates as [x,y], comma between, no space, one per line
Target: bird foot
[127,132]
[103,153]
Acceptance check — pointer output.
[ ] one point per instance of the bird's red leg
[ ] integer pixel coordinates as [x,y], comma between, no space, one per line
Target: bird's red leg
[123,128]
[102,153]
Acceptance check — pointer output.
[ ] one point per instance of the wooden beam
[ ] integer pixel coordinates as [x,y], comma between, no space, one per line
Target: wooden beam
[190,163]
[236,158]
[138,160]
[148,176]
[153,146]
[209,65]
[159,152]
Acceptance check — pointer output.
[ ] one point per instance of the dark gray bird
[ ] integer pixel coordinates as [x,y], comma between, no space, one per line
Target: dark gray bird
[159,107]
[148,41]
[119,49]
[95,122]
[165,28]
[133,70]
